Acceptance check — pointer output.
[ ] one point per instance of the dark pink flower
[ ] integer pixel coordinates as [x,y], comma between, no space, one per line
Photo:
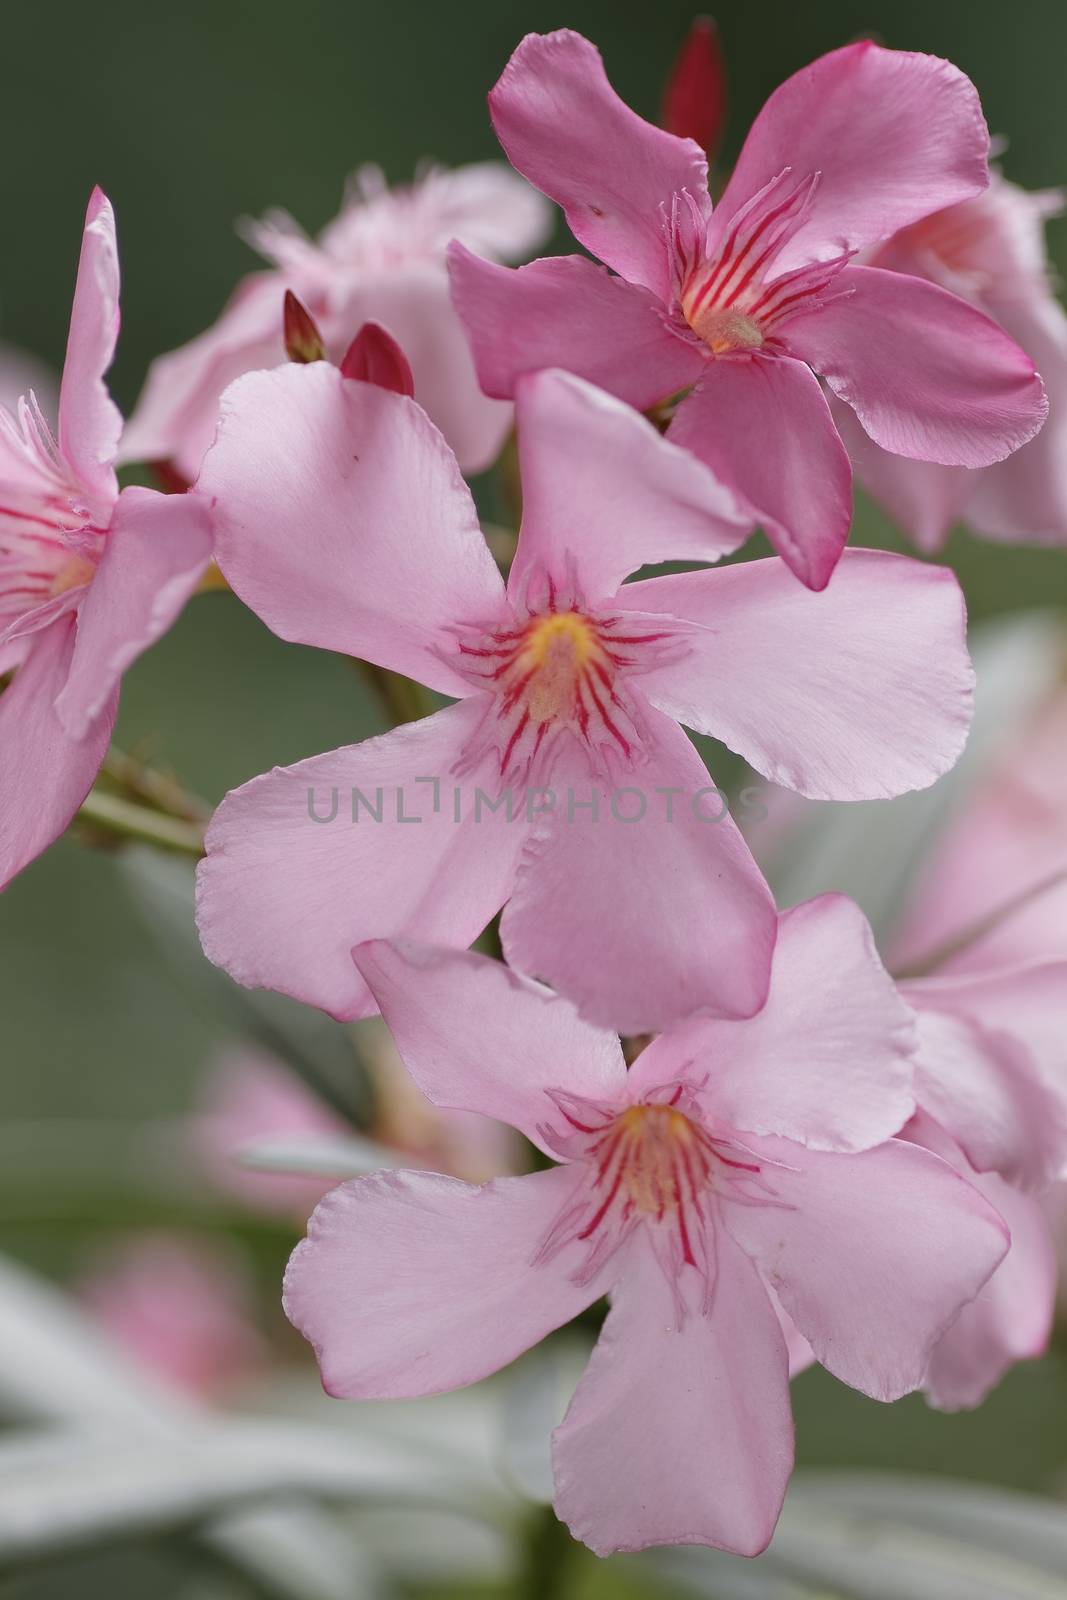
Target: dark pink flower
[749,306]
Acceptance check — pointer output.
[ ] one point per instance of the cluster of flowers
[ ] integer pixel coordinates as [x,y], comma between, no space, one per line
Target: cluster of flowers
[788,1156]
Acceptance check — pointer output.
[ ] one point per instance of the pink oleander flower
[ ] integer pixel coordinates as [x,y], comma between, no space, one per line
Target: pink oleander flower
[560,782]
[998,878]
[248,1096]
[181,1308]
[89,577]
[991,1081]
[747,308]
[734,1167]
[382,259]
[990,251]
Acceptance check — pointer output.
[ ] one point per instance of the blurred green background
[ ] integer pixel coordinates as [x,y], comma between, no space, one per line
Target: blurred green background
[189,117]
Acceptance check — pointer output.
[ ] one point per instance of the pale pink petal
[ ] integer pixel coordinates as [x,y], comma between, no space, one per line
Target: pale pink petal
[476,1036]
[89,421]
[827,1061]
[680,1432]
[247,1096]
[926,373]
[563,126]
[983,1090]
[764,428]
[156,551]
[872,1255]
[858,693]
[892,134]
[299,870]
[178,408]
[180,1307]
[342,520]
[923,498]
[415,307]
[566,311]
[1025,497]
[993,1067]
[603,493]
[1011,1319]
[653,908]
[410,1283]
[44,775]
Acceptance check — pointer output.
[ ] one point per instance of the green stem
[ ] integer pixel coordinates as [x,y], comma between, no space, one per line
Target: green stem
[157,789]
[548,1551]
[126,820]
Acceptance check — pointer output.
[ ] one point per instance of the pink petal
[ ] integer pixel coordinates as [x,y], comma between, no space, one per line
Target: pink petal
[679,1432]
[1025,497]
[892,134]
[178,408]
[89,421]
[827,1061]
[858,693]
[927,374]
[923,498]
[342,520]
[645,920]
[156,551]
[1011,1319]
[872,1255]
[283,898]
[764,428]
[415,307]
[992,1066]
[476,1036]
[604,493]
[409,1283]
[566,311]
[563,126]
[44,775]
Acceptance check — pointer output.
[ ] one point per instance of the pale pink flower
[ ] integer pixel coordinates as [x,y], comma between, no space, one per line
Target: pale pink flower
[248,1097]
[991,1081]
[383,259]
[88,577]
[182,1308]
[734,1165]
[750,306]
[1000,870]
[991,251]
[342,520]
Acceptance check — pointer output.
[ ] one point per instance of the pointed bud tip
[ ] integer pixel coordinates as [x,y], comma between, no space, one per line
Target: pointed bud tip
[303,341]
[375,357]
[694,102]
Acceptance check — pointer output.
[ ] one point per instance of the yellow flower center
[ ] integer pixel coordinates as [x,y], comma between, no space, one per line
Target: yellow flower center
[723,331]
[661,1157]
[75,572]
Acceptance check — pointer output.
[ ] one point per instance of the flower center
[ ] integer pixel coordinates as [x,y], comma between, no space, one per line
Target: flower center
[562,671]
[727,287]
[660,1157]
[655,1165]
[72,575]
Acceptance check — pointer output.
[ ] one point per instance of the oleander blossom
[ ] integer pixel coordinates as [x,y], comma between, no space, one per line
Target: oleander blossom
[560,786]
[89,577]
[748,306]
[990,251]
[740,1175]
[381,259]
